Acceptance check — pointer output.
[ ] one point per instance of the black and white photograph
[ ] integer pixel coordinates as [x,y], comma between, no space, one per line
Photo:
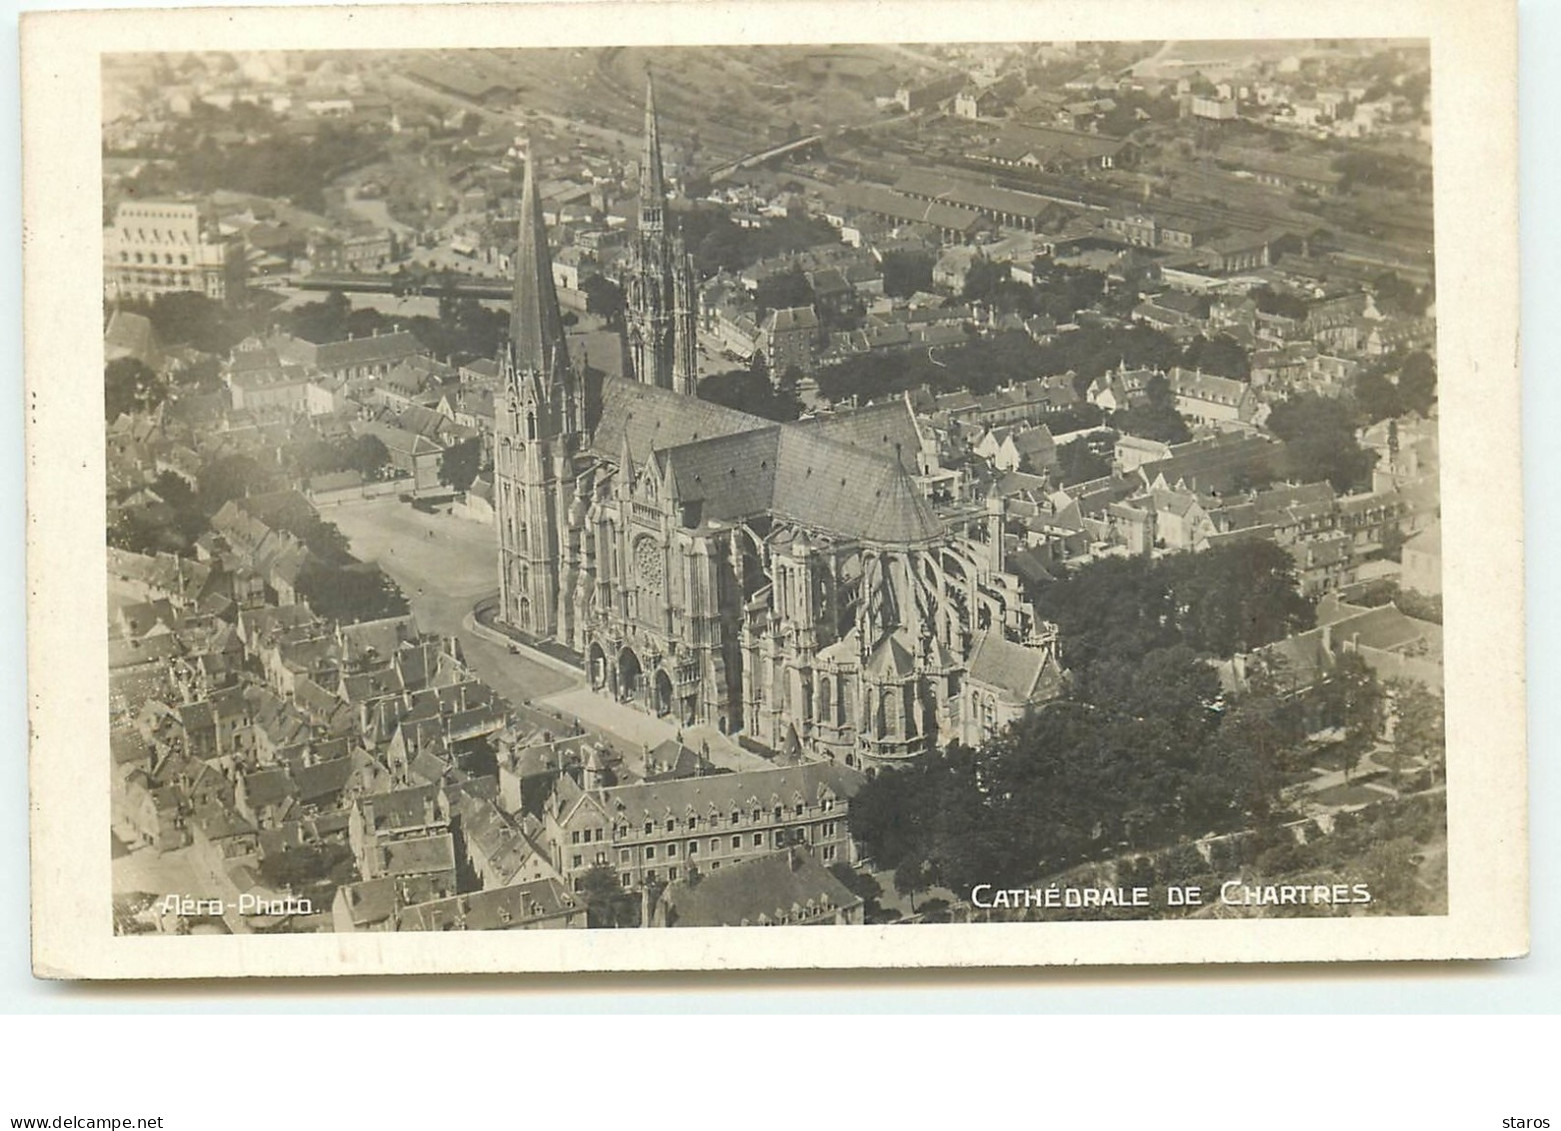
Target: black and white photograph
[863,484]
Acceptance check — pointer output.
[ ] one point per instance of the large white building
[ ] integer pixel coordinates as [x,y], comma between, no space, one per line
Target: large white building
[163,247]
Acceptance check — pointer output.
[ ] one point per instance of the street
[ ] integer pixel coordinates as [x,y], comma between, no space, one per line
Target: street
[445,565]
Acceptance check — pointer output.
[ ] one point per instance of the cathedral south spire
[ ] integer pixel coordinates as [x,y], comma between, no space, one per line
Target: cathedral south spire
[536,327]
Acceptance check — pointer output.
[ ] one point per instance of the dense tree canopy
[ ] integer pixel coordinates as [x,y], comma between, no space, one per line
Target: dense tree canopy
[1156,418]
[606,903]
[464,330]
[1088,457]
[1146,749]
[782,290]
[1229,599]
[1320,434]
[272,164]
[461,463]
[350,593]
[186,318]
[1219,355]
[1283,303]
[906,272]
[751,392]
[130,387]
[1417,383]
[718,244]
[980,365]
[604,298]
[365,454]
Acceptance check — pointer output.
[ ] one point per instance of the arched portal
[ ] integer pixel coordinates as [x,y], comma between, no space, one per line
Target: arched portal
[596,666]
[630,675]
[663,692]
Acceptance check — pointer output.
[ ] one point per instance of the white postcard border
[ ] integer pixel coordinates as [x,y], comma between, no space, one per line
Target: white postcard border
[1474,115]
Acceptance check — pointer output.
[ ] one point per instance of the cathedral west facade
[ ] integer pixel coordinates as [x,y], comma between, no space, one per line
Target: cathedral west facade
[788,581]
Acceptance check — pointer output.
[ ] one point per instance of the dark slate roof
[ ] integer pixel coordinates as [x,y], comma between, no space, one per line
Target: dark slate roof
[886,430]
[268,787]
[1025,675]
[654,419]
[417,856]
[861,497]
[323,778]
[371,901]
[506,908]
[789,886]
[374,349]
[1215,465]
[416,807]
[732,476]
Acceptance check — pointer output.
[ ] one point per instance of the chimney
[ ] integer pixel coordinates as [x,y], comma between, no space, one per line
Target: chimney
[794,858]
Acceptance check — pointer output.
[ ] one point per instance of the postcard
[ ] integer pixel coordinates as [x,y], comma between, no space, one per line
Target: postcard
[1008,484]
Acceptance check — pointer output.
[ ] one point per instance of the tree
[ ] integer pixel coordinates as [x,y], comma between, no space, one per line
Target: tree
[1377,397]
[982,279]
[1224,600]
[1282,303]
[204,375]
[1079,462]
[191,319]
[860,884]
[1219,355]
[783,290]
[751,392]
[130,387]
[604,298]
[1417,383]
[1156,418]
[1419,726]
[607,905]
[1394,295]
[1319,433]
[912,876]
[324,321]
[906,272]
[350,594]
[461,463]
[230,477]
[368,454]
[1249,752]
[1353,699]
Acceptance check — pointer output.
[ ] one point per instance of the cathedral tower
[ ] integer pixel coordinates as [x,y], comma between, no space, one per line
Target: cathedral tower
[538,431]
[661,299]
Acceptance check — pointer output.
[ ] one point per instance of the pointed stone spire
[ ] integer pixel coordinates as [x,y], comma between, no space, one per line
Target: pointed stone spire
[536,327]
[653,187]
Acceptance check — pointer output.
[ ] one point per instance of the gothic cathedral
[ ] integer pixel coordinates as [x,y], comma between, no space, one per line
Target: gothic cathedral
[790,581]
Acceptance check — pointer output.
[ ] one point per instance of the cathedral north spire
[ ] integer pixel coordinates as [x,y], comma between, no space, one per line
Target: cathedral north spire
[653,182]
[659,287]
